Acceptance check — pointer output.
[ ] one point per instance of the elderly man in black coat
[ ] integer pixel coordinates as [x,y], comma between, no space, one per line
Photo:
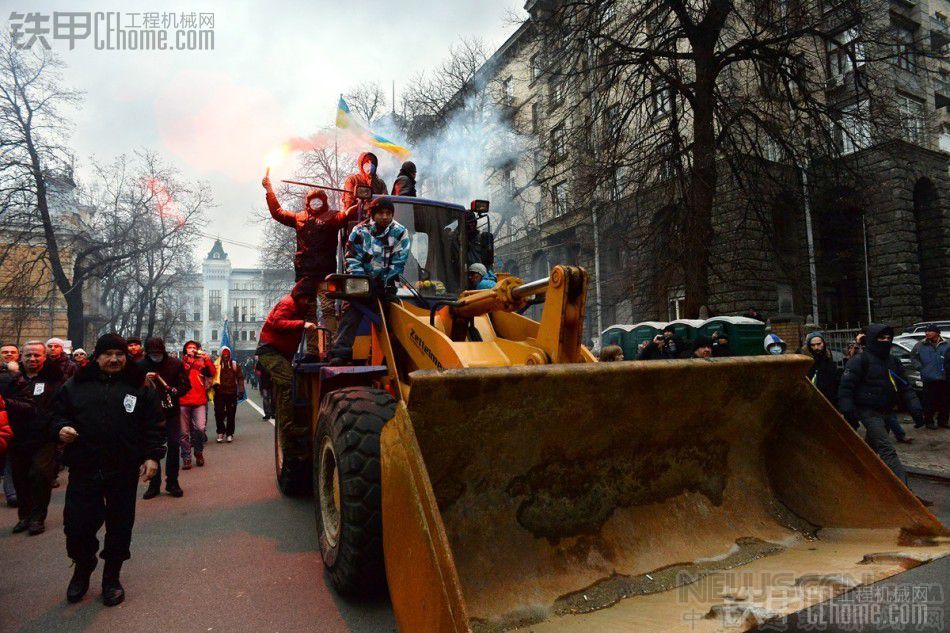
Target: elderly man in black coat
[114,431]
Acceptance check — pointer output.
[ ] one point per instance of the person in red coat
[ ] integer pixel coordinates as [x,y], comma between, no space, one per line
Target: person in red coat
[6,433]
[279,339]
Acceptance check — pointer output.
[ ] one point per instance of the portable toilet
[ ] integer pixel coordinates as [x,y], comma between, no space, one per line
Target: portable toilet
[686,329]
[619,335]
[641,332]
[745,334]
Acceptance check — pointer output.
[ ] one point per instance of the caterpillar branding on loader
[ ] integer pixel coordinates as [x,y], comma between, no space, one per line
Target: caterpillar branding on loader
[498,478]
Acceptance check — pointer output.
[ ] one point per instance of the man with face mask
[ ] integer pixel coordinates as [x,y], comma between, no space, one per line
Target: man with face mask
[773,345]
[317,228]
[114,431]
[871,388]
[405,184]
[367,165]
[168,377]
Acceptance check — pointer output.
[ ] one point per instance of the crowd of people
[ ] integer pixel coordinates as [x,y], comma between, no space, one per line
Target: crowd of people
[110,418]
[868,391]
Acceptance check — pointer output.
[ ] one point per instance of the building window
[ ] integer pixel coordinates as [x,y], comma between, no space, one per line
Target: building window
[945,139]
[558,143]
[214,305]
[853,128]
[786,303]
[905,45]
[845,52]
[214,335]
[661,100]
[612,118]
[196,335]
[535,66]
[507,92]
[559,198]
[243,335]
[557,92]
[181,336]
[237,311]
[912,111]
[253,335]
[676,301]
[535,117]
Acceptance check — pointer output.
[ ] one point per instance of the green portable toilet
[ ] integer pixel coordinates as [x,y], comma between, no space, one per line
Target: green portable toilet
[618,335]
[745,334]
[687,329]
[641,332]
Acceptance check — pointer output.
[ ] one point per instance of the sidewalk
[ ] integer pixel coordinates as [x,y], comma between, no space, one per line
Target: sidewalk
[930,451]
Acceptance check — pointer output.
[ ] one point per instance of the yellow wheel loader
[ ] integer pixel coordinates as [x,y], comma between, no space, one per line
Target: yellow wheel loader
[498,478]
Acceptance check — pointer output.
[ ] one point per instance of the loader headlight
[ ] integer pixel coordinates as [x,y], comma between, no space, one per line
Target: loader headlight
[341,286]
[356,286]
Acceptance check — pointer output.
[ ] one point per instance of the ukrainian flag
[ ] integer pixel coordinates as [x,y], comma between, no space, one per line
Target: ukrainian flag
[346,121]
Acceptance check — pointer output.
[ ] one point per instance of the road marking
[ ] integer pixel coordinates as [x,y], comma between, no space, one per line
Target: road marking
[259,410]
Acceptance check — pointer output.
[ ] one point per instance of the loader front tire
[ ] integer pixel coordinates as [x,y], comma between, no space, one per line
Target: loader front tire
[347,487]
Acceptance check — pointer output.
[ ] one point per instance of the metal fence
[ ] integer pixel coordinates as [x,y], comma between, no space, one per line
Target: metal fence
[838,342]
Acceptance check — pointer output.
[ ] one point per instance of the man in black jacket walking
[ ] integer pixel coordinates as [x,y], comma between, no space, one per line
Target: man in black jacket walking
[871,388]
[170,380]
[33,453]
[114,432]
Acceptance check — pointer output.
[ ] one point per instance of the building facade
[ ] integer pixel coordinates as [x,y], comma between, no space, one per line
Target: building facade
[874,245]
[242,297]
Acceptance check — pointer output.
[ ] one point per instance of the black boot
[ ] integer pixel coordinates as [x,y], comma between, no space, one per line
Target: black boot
[172,488]
[112,591]
[154,488]
[79,583]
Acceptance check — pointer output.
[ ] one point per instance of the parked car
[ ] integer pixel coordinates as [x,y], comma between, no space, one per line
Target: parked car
[900,350]
[918,328]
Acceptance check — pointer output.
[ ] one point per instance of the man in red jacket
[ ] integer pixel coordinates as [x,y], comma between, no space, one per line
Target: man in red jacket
[279,339]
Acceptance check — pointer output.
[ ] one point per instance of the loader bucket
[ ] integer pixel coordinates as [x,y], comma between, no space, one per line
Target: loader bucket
[620,496]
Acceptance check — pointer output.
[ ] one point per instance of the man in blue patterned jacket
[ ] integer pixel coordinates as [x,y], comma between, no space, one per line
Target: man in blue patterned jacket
[379,249]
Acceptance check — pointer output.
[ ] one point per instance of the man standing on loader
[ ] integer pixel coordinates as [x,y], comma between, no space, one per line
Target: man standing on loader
[379,249]
[366,166]
[870,390]
[279,339]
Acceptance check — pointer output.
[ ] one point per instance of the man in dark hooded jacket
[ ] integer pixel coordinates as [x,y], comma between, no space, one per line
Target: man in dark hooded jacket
[168,377]
[405,184]
[114,431]
[366,166]
[871,388]
[824,373]
[318,229]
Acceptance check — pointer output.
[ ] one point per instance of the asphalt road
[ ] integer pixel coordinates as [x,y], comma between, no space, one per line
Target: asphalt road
[233,555]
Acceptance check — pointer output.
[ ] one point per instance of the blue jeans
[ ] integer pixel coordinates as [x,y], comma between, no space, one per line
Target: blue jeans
[8,490]
[894,426]
[193,423]
[172,463]
[876,436]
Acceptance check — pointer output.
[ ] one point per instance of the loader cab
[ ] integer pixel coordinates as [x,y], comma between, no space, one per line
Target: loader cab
[438,257]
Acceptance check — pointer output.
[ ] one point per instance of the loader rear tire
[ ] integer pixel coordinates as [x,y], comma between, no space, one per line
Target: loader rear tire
[292,471]
[347,487]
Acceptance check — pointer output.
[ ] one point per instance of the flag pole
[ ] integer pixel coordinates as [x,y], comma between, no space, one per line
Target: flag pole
[336,151]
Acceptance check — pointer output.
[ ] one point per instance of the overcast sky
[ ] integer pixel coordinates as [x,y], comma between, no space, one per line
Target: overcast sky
[276,72]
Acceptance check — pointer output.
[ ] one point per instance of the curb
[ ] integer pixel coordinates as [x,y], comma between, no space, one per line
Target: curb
[928,474]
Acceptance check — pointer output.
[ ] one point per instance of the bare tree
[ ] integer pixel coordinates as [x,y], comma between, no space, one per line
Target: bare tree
[667,101]
[36,184]
[367,101]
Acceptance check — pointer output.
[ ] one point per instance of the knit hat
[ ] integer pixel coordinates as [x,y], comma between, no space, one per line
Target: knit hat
[932,328]
[56,340]
[811,335]
[110,341]
[702,341]
[155,345]
[478,269]
[134,339]
[79,349]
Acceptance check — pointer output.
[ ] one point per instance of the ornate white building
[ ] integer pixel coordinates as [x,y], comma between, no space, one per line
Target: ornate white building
[243,296]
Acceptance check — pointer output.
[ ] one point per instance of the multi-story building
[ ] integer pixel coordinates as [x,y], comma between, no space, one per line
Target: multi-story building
[242,297]
[874,245]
